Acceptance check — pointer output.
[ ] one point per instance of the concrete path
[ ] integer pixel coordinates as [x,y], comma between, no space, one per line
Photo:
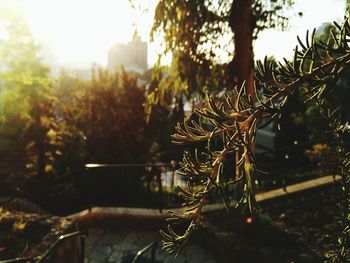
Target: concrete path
[105,245]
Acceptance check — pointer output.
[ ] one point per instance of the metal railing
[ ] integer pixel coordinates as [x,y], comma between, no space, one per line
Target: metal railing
[277,177]
[47,253]
[81,234]
[152,246]
[19,260]
[157,178]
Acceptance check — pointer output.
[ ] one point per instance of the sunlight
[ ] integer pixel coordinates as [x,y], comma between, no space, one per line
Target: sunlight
[82,31]
[79,33]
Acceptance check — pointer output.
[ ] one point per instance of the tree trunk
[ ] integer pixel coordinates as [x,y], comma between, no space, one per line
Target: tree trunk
[241,69]
[242,65]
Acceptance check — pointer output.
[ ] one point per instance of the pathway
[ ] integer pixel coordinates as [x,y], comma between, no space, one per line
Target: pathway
[106,245]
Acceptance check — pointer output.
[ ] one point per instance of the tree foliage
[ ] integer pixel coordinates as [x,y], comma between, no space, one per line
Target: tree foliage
[28,103]
[50,128]
[165,113]
[234,119]
[104,122]
[199,36]
[108,101]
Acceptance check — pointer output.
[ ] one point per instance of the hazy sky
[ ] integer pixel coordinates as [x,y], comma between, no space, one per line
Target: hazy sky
[315,13]
[80,32]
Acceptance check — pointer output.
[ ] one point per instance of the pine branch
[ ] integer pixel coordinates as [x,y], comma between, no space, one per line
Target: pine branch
[315,68]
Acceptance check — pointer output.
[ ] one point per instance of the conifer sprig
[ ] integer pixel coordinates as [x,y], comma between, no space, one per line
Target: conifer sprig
[234,119]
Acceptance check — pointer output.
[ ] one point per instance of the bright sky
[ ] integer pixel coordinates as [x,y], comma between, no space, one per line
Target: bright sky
[80,32]
[77,33]
[315,13]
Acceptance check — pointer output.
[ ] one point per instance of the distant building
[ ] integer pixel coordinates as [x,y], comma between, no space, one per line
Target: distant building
[132,56]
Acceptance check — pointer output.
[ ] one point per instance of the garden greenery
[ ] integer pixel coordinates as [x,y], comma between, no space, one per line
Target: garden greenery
[233,120]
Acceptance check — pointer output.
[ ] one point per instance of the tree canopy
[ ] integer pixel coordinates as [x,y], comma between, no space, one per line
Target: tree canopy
[199,35]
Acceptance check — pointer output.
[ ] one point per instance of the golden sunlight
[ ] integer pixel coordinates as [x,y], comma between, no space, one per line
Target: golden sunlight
[80,31]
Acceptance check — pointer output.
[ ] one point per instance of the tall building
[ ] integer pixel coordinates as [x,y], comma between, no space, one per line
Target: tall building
[132,56]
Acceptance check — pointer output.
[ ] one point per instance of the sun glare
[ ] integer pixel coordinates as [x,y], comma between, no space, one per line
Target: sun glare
[77,33]
[80,31]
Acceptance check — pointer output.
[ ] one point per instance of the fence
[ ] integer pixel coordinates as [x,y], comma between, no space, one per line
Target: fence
[160,179]
[152,185]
